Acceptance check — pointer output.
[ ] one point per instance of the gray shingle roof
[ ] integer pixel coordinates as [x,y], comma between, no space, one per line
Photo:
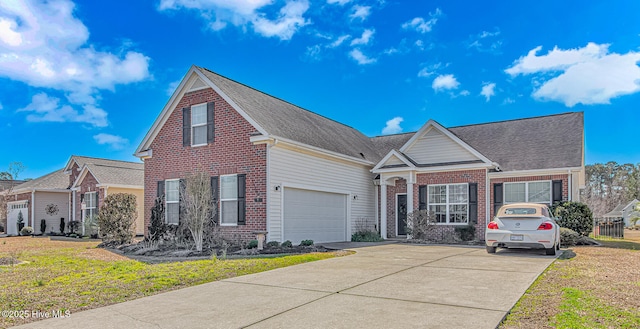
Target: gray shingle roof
[282,119]
[55,180]
[127,173]
[384,144]
[82,160]
[554,141]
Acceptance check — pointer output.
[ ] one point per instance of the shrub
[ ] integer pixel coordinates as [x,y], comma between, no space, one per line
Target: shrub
[306,243]
[117,218]
[575,216]
[73,226]
[43,225]
[273,244]
[466,233]
[27,230]
[1,228]
[252,244]
[157,226]
[61,225]
[366,236]
[287,244]
[568,237]
[421,223]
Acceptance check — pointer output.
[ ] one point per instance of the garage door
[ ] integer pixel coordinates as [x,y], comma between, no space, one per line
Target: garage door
[315,215]
[13,213]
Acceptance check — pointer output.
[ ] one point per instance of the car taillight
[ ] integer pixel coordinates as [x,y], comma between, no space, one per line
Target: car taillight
[492,226]
[545,226]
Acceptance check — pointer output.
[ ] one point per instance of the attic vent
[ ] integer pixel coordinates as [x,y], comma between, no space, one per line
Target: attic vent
[362,155]
[197,84]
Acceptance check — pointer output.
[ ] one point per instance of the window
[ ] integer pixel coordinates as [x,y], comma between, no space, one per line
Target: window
[450,203]
[199,125]
[229,200]
[536,192]
[90,205]
[172,201]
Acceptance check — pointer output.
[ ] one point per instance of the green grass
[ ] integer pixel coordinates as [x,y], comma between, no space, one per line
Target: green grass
[580,309]
[70,279]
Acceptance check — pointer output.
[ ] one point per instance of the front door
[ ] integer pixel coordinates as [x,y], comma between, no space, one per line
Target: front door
[401,211]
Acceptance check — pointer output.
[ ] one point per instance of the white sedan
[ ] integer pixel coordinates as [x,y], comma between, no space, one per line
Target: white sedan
[523,225]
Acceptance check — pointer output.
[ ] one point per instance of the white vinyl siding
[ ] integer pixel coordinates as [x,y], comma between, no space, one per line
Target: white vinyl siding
[450,203]
[229,200]
[536,192]
[435,147]
[172,201]
[199,125]
[393,160]
[291,167]
[61,199]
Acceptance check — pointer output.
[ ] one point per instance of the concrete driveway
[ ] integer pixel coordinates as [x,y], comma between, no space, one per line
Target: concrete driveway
[385,286]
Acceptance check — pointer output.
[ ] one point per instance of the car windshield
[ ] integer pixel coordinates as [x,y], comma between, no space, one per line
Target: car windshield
[520,211]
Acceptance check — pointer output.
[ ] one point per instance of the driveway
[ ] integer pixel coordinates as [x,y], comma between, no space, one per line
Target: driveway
[384,286]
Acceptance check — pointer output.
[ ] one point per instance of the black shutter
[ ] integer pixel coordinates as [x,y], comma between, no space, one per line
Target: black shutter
[160,191]
[473,203]
[242,178]
[81,197]
[215,192]
[210,121]
[497,198]
[181,191]
[422,197]
[97,199]
[556,191]
[186,126]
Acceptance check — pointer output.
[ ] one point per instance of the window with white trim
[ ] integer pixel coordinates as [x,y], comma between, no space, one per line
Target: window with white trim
[229,200]
[199,125]
[90,205]
[172,201]
[449,203]
[536,192]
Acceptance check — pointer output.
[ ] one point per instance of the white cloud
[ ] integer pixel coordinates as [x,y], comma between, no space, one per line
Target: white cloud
[48,109]
[430,70]
[289,21]
[364,39]
[508,101]
[241,13]
[339,41]
[486,42]
[445,82]
[313,52]
[340,2]
[488,90]
[393,126]
[172,87]
[360,12]
[44,45]
[391,51]
[361,58]
[465,93]
[587,75]
[115,142]
[421,25]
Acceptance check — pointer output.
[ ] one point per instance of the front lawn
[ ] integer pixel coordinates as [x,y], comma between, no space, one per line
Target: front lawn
[75,276]
[588,287]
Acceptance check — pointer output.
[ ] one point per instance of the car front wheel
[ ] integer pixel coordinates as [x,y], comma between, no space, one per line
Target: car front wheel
[491,250]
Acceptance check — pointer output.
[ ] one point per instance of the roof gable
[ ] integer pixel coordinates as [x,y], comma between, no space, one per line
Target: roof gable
[394,159]
[433,144]
[121,174]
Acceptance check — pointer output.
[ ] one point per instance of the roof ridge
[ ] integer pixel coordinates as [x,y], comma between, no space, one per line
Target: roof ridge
[111,166]
[398,134]
[280,99]
[96,158]
[518,119]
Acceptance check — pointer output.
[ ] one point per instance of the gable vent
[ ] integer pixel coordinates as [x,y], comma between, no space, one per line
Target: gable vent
[197,84]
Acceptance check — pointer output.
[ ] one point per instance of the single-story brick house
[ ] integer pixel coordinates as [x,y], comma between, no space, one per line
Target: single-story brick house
[77,191]
[279,168]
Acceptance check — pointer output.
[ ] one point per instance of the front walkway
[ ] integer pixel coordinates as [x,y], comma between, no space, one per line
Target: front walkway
[384,286]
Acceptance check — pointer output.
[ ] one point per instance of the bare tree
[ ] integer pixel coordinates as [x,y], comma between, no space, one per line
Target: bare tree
[197,205]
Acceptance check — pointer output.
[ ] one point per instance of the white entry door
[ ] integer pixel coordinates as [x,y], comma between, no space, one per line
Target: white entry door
[314,215]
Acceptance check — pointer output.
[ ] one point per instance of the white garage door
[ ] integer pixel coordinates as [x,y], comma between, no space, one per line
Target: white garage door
[314,215]
[13,212]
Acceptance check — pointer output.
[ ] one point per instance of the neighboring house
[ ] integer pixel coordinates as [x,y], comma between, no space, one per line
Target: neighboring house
[625,211]
[92,179]
[77,191]
[5,185]
[31,199]
[279,168]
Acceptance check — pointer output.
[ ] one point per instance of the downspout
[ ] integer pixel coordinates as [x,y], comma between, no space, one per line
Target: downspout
[487,198]
[375,200]
[268,191]
[33,208]
[570,187]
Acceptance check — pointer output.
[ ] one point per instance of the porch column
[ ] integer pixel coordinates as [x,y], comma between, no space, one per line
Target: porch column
[383,209]
[409,204]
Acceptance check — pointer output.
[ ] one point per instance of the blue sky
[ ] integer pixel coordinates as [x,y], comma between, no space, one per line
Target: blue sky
[90,77]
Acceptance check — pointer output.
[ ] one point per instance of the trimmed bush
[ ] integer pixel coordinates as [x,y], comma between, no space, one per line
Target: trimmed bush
[273,244]
[575,216]
[62,225]
[43,225]
[287,244]
[252,244]
[366,236]
[27,230]
[117,218]
[306,243]
[422,222]
[568,237]
[466,233]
